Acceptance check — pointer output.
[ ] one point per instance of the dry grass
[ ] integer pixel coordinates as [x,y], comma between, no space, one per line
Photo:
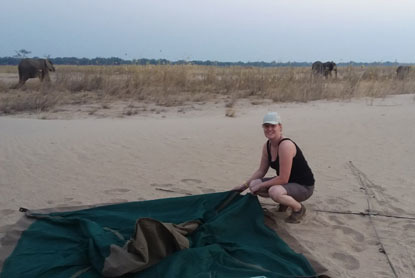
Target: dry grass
[168,85]
[8,69]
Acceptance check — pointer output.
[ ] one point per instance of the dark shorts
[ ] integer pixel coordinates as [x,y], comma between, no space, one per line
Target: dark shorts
[299,192]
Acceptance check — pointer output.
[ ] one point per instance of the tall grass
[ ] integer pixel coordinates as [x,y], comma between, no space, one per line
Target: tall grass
[169,85]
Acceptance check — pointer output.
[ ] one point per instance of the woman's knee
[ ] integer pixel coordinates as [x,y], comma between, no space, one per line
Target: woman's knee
[276,192]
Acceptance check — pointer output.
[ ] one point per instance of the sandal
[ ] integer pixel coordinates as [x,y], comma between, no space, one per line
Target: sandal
[296,216]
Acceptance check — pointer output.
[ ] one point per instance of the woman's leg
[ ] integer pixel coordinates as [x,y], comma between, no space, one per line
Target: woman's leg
[279,194]
[291,194]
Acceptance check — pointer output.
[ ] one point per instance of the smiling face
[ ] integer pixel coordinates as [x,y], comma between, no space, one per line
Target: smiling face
[271,131]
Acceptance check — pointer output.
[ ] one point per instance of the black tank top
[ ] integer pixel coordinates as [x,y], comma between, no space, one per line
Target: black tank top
[300,171]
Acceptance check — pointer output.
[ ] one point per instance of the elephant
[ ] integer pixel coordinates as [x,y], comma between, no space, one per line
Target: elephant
[325,69]
[32,68]
[402,72]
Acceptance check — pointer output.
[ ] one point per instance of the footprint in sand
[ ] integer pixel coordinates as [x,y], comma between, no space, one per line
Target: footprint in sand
[116,191]
[349,262]
[393,199]
[397,210]
[336,220]
[349,231]
[409,227]
[5,212]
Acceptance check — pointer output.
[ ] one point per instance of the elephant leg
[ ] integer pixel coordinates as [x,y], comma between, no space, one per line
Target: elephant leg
[46,77]
[41,74]
[22,80]
[328,73]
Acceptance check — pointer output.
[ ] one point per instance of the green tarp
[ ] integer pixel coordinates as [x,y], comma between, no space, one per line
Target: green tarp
[232,242]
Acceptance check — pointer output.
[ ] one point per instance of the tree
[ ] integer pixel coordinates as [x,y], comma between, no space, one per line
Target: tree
[22,53]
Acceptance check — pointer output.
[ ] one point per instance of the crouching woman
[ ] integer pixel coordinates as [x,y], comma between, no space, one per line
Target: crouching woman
[294,182]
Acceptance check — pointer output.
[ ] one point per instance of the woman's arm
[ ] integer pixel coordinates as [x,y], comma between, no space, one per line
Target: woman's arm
[286,153]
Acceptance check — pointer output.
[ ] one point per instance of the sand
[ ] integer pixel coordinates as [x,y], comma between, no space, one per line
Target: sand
[359,150]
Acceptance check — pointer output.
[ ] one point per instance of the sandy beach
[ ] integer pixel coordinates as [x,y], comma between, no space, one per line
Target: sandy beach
[361,152]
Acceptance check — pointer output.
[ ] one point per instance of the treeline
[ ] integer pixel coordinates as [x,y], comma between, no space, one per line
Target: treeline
[118,61]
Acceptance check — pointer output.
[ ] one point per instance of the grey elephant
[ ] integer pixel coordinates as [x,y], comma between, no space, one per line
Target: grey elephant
[325,69]
[32,68]
[402,72]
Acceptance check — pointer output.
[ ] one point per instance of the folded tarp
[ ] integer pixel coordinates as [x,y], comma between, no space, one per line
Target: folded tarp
[230,242]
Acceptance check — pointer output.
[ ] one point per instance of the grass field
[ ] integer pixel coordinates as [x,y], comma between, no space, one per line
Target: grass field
[168,85]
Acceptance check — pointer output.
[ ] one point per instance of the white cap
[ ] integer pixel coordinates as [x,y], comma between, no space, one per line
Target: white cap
[272,118]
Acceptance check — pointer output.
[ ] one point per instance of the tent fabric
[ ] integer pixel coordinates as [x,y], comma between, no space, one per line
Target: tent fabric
[152,241]
[231,242]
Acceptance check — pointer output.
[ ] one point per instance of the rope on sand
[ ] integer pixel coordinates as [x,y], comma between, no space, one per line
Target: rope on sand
[359,175]
[371,213]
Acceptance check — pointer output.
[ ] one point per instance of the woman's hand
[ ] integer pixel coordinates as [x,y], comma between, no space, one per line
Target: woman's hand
[255,186]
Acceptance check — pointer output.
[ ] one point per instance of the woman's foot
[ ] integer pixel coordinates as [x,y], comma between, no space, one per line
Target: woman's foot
[296,216]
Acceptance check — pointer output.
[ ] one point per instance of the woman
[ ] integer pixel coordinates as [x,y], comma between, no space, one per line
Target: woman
[294,182]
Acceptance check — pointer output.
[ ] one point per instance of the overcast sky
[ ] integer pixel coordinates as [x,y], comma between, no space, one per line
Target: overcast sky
[221,30]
